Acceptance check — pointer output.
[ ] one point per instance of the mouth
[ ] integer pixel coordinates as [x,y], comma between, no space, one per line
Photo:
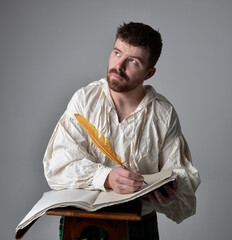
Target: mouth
[117,77]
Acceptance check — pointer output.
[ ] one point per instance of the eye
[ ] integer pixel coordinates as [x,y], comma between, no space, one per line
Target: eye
[117,54]
[132,60]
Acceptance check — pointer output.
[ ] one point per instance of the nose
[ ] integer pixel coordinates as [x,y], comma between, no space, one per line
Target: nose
[121,65]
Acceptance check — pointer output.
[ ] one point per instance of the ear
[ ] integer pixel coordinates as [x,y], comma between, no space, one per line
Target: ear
[150,73]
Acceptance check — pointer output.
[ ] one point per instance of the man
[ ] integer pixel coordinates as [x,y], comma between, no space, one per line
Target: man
[142,126]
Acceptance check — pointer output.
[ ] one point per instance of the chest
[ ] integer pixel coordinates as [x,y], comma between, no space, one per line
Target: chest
[124,112]
[136,139]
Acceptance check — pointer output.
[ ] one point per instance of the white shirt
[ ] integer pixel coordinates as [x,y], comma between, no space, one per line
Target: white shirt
[149,140]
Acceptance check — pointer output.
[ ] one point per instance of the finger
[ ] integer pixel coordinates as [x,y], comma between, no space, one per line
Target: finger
[131,182]
[127,185]
[175,186]
[123,176]
[170,192]
[125,180]
[129,174]
[165,194]
[134,174]
[122,188]
[160,198]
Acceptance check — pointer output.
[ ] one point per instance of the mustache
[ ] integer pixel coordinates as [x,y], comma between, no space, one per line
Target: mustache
[119,73]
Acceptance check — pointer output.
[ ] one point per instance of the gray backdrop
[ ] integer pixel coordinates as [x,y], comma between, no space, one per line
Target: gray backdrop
[50,48]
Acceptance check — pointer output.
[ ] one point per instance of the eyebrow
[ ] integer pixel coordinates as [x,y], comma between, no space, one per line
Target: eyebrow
[136,57]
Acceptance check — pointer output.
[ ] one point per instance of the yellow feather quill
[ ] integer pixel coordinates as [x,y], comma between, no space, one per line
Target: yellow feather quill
[101,141]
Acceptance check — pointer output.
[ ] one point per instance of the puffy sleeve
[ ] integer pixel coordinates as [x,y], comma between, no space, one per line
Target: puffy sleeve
[68,162]
[175,154]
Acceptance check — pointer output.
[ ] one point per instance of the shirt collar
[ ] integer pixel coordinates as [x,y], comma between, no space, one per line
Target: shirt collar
[150,96]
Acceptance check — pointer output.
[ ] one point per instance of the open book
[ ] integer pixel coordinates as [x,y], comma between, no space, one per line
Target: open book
[89,200]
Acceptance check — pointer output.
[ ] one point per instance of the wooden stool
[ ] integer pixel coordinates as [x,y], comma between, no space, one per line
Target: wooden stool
[112,219]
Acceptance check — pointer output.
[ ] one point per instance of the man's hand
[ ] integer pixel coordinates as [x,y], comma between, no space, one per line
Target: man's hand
[164,194]
[124,180]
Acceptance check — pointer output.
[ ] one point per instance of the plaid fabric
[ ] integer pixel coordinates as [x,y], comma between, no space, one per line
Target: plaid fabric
[61,227]
[147,229]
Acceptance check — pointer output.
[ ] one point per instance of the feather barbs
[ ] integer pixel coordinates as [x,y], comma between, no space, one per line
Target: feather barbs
[102,142]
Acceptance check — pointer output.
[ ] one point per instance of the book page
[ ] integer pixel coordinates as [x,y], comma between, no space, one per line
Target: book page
[154,181]
[92,200]
[54,198]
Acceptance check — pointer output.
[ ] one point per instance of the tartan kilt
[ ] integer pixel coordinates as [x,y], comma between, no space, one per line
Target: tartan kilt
[146,229]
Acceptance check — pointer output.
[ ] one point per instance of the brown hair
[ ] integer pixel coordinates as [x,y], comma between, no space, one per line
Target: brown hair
[142,35]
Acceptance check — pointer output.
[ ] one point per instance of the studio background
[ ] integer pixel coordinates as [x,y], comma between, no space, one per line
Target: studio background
[51,48]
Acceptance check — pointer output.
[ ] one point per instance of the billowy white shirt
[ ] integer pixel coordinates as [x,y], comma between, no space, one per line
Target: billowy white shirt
[149,140]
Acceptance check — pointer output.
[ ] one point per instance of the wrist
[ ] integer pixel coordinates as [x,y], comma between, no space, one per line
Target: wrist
[107,182]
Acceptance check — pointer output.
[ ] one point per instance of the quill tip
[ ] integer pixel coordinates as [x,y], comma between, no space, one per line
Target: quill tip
[145,182]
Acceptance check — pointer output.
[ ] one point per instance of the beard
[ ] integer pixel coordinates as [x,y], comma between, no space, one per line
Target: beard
[122,85]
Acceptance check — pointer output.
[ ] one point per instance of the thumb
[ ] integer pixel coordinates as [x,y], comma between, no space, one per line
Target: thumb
[137,174]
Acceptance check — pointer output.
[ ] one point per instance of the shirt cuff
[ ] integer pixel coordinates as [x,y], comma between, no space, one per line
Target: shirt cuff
[100,177]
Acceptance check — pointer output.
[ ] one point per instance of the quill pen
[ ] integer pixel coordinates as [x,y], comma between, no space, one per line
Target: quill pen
[101,141]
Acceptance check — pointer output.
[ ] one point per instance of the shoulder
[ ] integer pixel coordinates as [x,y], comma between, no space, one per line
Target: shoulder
[89,89]
[160,104]
[84,96]
[163,111]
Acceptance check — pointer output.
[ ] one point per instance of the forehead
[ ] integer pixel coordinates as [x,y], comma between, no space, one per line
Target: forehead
[132,51]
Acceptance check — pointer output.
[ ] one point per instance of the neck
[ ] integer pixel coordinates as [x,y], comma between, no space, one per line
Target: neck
[127,102]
